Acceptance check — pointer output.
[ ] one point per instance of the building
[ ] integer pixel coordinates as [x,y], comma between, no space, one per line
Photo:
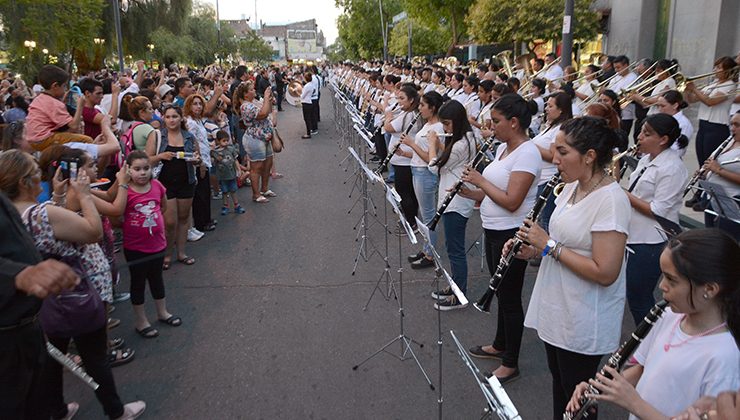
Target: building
[694,32]
[293,41]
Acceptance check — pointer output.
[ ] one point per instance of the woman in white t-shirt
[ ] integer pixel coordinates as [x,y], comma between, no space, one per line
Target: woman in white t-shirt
[508,188]
[671,102]
[578,298]
[483,119]
[558,109]
[725,172]
[692,350]
[406,122]
[448,163]
[425,182]
[714,110]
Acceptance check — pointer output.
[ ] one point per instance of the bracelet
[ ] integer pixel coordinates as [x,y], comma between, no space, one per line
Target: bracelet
[124,186]
[559,247]
[64,194]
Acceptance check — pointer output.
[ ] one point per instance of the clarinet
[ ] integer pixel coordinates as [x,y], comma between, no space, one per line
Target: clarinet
[384,163]
[458,186]
[484,303]
[619,358]
[380,126]
[65,361]
[701,172]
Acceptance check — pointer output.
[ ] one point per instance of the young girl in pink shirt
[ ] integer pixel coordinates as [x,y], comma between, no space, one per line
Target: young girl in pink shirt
[144,240]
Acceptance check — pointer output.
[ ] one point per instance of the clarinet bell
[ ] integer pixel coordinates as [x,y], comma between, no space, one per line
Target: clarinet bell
[484,303]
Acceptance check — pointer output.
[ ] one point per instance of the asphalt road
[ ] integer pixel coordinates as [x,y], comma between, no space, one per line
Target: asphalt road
[273,320]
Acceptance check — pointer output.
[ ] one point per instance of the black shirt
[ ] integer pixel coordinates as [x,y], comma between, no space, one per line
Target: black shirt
[17,251]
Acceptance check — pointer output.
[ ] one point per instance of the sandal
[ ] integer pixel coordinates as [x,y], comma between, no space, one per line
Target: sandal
[186,260]
[261,199]
[268,193]
[166,265]
[120,357]
[148,332]
[172,321]
[116,343]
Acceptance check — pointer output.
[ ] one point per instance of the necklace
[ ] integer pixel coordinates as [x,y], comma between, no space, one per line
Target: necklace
[593,187]
[667,346]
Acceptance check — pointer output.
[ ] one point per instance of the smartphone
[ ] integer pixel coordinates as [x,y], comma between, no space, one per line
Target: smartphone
[69,168]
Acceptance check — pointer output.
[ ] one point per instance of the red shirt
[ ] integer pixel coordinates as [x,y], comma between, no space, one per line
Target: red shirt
[143,222]
[88,116]
[46,114]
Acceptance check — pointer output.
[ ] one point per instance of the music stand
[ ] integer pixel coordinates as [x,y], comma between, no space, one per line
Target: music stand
[725,208]
[496,397]
[366,176]
[439,271]
[405,340]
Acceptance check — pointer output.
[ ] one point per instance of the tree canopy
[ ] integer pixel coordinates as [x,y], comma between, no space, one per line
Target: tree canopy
[359,26]
[424,40]
[446,14]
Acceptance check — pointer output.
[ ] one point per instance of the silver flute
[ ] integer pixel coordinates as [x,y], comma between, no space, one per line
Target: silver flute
[73,367]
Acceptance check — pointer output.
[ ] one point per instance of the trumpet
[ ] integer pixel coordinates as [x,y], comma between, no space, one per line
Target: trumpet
[682,81]
[632,151]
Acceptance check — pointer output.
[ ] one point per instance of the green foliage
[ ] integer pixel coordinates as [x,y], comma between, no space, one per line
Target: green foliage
[449,14]
[424,40]
[142,19]
[254,48]
[360,31]
[336,52]
[500,21]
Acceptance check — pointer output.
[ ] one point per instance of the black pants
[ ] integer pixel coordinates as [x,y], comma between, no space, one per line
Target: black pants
[280,96]
[308,117]
[405,187]
[22,362]
[148,269]
[708,138]
[318,108]
[315,116]
[381,149]
[93,348]
[568,369]
[202,201]
[626,125]
[510,319]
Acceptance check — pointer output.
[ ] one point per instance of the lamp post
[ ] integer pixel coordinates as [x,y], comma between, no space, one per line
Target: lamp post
[117,21]
[151,53]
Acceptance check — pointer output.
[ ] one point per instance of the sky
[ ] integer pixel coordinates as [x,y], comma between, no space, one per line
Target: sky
[275,12]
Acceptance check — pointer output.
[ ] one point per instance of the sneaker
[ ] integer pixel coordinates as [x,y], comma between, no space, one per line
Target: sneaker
[443,294]
[121,297]
[133,410]
[72,409]
[449,304]
[194,235]
[217,196]
[415,257]
[239,210]
[421,263]
[225,211]
[210,227]
[313,132]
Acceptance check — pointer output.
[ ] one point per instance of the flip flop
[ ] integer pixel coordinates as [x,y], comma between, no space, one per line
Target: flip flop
[120,357]
[186,260]
[165,265]
[172,321]
[261,199]
[148,332]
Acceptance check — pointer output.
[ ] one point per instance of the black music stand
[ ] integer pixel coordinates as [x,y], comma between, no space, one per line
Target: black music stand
[365,175]
[725,208]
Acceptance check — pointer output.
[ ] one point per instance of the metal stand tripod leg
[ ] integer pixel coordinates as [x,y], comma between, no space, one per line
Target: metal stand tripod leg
[387,270]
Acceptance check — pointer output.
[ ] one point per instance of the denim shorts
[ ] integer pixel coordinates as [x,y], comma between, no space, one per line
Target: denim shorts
[257,150]
[228,185]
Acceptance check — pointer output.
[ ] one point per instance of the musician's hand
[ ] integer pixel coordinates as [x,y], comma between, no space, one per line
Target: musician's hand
[533,234]
[526,252]
[407,140]
[712,165]
[486,133]
[616,390]
[575,400]
[472,176]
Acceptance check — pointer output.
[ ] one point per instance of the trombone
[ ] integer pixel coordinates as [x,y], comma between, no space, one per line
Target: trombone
[642,87]
[525,86]
[682,81]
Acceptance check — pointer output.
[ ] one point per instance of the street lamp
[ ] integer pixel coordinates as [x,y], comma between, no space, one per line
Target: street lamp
[30,44]
[99,41]
[45,51]
[151,49]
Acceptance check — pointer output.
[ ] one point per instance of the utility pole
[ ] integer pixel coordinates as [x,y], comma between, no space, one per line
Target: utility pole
[117,20]
[410,50]
[567,51]
[384,30]
[218,32]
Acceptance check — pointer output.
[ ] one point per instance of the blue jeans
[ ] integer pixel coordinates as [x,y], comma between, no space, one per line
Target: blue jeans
[425,188]
[454,225]
[643,272]
[547,211]
[391,172]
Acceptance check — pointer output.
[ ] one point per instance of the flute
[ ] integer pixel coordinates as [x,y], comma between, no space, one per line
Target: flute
[76,370]
[484,303]
[619,358]
[384,163]
[458,186]
[440,135]
[702,171]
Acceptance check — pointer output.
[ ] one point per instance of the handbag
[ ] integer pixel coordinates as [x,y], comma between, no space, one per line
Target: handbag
[277,141]
[73,312]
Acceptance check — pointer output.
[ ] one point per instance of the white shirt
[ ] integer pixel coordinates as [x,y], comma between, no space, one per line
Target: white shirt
[461,96]
[536,122]
[554,72]
[423,142]
[661,185]
[568,311]
[430,87]
[307,93]
[198,129]
[619,83]
[462,152]
[400,125]
[686,129]
[702,366]
[585,89]
[664,85]
[730,187]
[472,105]
[484,115]
[544,140]
[525,158]
[720,113]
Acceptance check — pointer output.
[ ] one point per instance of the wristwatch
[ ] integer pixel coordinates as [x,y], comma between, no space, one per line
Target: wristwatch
[550,245]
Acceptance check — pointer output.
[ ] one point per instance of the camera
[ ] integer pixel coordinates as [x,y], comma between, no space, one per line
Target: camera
[69,168]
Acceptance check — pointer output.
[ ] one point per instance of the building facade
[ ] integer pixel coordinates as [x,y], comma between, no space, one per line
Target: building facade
[293,41]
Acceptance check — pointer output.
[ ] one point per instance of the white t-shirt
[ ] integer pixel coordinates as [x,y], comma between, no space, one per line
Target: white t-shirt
[462,152]
[198,129]
[619,83]
[554,72]
[536,122]
[525,158]
[686,129]
[662,186]
[730,188]
[569,311]
[423,142]
[89,148]
[702,366]
[472,105]
[544,140]
[585,89]
[400,125]
[664,85]
[720,113]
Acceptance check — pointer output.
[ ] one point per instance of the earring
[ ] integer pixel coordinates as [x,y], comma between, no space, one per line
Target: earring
[705,296]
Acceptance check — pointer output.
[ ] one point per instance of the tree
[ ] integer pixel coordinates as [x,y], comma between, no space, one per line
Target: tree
[359,26]
[424,40]
[336,52]
[142,19]
[500,21]
[254,48]
[447,13]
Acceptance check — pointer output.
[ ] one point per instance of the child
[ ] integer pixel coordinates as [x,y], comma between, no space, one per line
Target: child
[144,239]
[225,158]
[690,352]
[48,121]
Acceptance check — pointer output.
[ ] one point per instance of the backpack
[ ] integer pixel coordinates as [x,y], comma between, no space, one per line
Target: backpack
[127,145]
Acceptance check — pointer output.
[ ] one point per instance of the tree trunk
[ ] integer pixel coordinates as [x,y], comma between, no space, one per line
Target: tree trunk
[453,23]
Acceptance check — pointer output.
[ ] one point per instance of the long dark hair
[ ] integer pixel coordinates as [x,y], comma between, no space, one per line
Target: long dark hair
[666,125]
[455,112]
[706,256]
[564,103]
[586,133]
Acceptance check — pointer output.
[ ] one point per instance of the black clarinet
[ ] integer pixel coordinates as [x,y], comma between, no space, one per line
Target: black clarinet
[384,163]
[484,303]
[458,186]
[619,358]
[382,121]
[701,173]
